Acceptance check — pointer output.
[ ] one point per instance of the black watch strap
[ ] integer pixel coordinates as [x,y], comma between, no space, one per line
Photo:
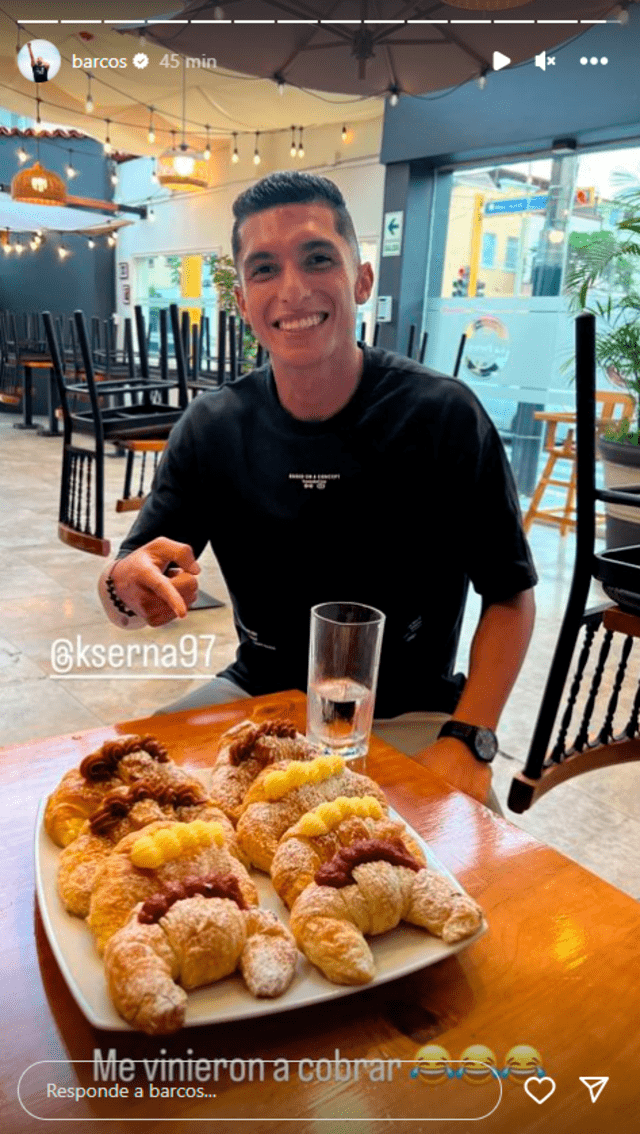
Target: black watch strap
[482,742]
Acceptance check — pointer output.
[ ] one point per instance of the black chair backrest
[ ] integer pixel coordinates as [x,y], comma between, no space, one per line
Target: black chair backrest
[141,332]
[181,362]
[222,345]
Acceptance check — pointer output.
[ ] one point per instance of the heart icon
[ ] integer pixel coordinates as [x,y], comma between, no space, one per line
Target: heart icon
[539,1089]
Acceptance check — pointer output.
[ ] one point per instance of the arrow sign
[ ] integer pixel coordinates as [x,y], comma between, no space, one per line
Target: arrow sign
[500,61]
[392,233]
[595,1085]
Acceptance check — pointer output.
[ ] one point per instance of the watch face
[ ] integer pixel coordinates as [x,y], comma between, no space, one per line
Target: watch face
[486,744]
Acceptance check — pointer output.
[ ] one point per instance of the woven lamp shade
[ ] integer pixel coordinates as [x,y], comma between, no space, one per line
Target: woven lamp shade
[38,186]
[183,172]
[487,5]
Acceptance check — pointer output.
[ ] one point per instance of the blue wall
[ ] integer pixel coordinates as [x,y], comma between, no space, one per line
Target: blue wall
[40,281]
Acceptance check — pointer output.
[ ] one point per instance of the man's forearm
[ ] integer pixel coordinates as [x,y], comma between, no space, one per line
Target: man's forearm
[497,652]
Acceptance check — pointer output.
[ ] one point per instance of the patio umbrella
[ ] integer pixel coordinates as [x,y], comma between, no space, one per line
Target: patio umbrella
[365,47]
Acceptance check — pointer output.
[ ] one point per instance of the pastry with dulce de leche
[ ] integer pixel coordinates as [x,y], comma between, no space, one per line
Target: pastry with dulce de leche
[245,750]
[280,796]
[149,861]
[319,834]
[122,811]
[369,888]
[193,933]
[117,762]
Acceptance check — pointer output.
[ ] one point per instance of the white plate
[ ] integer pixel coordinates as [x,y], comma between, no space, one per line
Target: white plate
[397,953]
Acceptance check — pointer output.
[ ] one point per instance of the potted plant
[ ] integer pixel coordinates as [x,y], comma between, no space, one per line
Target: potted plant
[224,279]
[611,259]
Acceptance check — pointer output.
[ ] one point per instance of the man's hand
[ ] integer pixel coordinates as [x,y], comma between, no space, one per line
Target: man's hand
[143,586]
[452,761]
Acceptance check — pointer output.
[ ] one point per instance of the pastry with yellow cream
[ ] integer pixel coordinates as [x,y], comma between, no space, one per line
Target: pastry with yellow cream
[244,751]
[281,795]
[152,860]
[124,810]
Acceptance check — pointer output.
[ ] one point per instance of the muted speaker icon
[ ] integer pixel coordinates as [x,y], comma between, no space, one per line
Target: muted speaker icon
[541,60]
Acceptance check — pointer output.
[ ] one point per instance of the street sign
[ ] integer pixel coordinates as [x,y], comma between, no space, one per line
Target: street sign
[516,205]
[392,234]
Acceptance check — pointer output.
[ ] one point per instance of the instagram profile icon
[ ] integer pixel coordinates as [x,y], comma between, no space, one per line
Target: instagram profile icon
[39,60]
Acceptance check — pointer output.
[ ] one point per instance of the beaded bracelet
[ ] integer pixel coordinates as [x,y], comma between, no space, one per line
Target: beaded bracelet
[116,600]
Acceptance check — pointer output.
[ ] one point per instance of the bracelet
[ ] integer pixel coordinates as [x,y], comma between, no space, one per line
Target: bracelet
[116,600]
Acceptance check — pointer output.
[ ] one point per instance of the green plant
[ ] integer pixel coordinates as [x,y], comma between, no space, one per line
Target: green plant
[611,259]
[225,280]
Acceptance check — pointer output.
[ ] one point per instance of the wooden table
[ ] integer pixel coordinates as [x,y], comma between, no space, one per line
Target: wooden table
[558,969]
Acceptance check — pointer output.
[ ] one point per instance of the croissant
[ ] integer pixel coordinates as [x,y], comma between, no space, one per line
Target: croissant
[157,857]
[195,940]
[117,762]
[369,888]
[281,794]
[244,751]
[123,811]
[320,834]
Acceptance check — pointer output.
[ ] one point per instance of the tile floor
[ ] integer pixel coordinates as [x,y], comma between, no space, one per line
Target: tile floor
[47,592]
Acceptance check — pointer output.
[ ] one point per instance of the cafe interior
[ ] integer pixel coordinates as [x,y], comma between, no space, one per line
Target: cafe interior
[475,186]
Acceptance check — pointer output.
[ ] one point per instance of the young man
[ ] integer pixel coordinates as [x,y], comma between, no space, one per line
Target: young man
[39,68]
[338,471]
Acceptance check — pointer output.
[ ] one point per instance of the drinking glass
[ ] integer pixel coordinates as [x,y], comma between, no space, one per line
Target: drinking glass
[344,657]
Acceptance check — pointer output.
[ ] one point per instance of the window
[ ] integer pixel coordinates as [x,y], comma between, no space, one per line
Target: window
[511,254]
[489,241]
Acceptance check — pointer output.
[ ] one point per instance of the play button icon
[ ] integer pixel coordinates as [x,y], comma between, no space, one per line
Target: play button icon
[500,61]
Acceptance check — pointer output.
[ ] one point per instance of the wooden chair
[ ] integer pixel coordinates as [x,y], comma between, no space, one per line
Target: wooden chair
[587,744]
[612,407]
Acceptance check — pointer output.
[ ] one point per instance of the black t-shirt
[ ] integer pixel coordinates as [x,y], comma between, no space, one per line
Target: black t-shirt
[40,72]
[397,502]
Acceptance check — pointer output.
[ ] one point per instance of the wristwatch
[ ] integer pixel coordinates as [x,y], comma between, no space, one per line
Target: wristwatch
[482,742]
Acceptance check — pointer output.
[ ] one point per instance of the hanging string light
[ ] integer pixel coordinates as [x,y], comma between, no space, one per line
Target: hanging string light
[91,242]
[300,145]
[22,155]
[114,174]
[38,123]
[69,169]
[18,247]
[235,157]
[345,134]
[107,147]
[151,216]
[89,99]
[256,152]
[151,135]
[294,148]
[154,172]
[207,149]
[394,95]
[63,252]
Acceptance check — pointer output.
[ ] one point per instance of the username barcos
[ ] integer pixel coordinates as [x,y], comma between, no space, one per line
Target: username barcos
[191,1069]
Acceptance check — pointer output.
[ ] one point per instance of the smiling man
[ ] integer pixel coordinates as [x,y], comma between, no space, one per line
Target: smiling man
[338,471]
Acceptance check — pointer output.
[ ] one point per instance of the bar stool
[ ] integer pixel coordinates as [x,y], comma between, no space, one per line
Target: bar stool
[608,403]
